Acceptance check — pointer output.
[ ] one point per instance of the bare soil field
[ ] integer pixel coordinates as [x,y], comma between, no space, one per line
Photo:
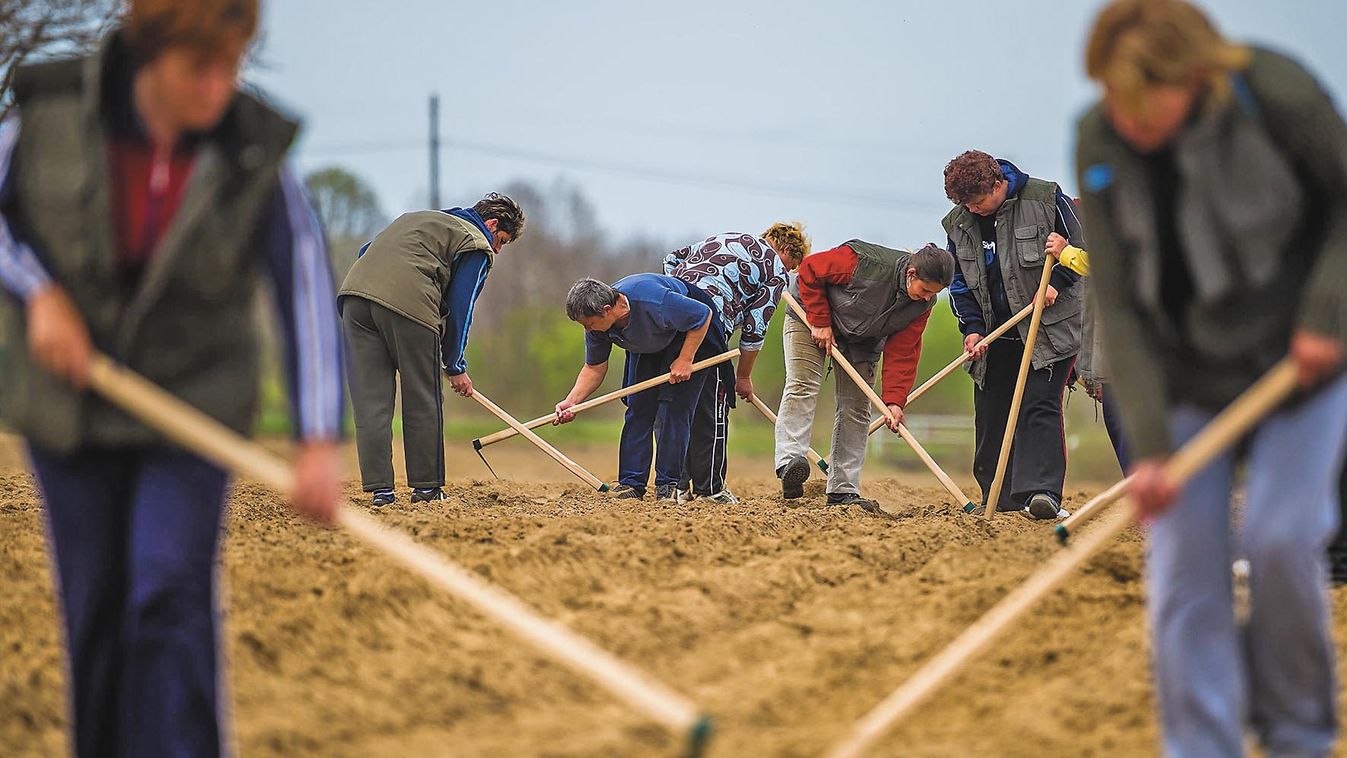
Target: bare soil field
[785,623]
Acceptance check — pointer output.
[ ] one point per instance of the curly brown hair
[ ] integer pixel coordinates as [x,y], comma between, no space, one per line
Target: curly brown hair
[789,239]
[971,175]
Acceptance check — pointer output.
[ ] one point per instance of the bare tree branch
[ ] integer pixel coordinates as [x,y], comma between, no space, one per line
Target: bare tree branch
[32,30]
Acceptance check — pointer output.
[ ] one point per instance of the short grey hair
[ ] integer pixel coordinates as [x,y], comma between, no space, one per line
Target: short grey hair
[587,299]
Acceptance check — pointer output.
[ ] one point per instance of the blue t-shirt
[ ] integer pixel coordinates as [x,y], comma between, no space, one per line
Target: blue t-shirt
[660,311]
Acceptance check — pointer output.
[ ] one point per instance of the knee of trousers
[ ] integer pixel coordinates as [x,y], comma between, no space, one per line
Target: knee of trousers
[169,602]
[1286,542]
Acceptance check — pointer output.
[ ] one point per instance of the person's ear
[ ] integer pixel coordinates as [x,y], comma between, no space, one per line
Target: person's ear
[492,224]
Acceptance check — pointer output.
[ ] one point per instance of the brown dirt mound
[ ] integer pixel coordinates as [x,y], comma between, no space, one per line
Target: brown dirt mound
[786,623]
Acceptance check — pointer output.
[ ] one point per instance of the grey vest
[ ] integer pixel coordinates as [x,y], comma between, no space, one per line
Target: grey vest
[874,305]
[186,326]
[1234,232]
[408,266]
[1023,223]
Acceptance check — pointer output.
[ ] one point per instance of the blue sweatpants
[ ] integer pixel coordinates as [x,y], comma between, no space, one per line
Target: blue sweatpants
[135,534]
[1275,673]
[672,406]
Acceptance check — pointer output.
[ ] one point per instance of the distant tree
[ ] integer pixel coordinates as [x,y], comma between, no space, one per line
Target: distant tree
[349,211]
[32,30]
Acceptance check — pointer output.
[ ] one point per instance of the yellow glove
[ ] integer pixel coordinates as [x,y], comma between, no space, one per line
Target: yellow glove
[1075,259]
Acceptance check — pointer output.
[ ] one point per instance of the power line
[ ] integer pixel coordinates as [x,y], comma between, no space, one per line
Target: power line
[647,173]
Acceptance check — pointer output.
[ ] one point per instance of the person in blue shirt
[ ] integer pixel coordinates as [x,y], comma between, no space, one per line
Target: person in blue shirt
[664,325]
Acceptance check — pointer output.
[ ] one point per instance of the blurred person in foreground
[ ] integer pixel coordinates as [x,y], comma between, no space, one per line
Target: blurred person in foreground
[1214,178]
[744,275]
[141,195]
[872,303]
[406,308]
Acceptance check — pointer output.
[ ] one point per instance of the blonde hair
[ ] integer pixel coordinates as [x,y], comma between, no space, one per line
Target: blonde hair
[1137,44]
[788,239]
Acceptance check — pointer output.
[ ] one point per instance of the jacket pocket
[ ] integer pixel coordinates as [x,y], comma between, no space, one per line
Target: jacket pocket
[1029,246]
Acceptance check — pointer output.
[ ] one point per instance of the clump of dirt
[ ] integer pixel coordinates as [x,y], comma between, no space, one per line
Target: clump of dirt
[786,622]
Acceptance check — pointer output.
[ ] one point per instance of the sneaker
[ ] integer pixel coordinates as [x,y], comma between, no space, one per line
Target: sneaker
[1044,507]
[627,492]
[793,476]
[724,497]
[428,495]
[382,497]
[685,495]
[666,492]
[851,498]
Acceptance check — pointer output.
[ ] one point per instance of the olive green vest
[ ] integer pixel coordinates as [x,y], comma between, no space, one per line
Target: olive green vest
[408,266]
[188,324]
[874,305]
[1023,223]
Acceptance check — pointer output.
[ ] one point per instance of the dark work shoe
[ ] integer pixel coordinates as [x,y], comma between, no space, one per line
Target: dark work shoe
[851,498]
[666,492]
[428,495]
[793,476]
[627,492]
[1044,507]
[382,497]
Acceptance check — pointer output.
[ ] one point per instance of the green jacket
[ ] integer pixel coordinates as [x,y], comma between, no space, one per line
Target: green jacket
[1261,215]
[408,266]
[185,325]
[1023,223]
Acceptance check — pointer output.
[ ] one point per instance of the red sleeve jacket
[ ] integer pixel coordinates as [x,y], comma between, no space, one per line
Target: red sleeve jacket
[902,350]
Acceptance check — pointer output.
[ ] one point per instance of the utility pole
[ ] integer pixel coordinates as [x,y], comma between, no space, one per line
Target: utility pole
[435,151]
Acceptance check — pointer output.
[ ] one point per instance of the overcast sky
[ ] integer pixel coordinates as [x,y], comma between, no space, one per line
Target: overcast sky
[685,119]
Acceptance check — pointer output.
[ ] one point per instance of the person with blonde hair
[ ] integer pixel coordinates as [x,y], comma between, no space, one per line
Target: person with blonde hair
[141,195]
[744,276]
[1214,178]
[873,303]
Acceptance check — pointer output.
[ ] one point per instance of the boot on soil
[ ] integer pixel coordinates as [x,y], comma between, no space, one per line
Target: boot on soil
[793,476]
[428,495]
[1044,507]
[381,498]
[627,492]
[666,492]
[851,498]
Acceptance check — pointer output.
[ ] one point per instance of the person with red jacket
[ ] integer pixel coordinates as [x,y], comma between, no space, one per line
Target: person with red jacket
[869,301]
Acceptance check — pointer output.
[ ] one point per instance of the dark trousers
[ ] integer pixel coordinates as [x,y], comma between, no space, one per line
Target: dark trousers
[383,349]
[135,534]
[1038,454]
[669,407]
[704,471]
[1113,423]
